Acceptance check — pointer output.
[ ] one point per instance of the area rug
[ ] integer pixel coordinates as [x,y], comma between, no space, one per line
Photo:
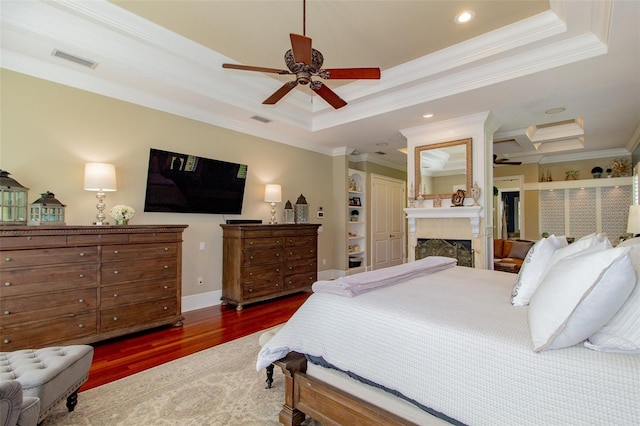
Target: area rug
[217,386]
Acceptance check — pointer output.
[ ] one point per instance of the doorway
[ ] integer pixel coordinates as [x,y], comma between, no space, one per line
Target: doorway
[387,221]
[508,207]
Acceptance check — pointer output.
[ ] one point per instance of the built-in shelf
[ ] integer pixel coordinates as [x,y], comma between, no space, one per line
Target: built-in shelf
[580,183]
[473,213]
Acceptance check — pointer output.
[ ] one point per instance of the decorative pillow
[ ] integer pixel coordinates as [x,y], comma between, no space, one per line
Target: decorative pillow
[519,249]
[578,296]
[622,333]
[534,268]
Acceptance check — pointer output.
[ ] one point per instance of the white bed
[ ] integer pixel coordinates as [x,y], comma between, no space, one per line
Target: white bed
[453,342]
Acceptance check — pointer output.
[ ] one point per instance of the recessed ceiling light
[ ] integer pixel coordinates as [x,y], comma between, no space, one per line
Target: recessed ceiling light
[555,110]
[464,16]
[429,115]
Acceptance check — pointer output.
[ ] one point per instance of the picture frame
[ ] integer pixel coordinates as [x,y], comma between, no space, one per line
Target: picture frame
[355,201]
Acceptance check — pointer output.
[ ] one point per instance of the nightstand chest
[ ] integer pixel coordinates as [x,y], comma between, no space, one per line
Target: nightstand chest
[261,262]
[65,285]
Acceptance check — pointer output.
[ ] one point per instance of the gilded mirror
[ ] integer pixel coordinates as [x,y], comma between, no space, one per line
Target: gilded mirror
[443,168]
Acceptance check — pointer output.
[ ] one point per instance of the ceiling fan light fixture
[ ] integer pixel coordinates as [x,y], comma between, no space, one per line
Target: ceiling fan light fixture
[464,17]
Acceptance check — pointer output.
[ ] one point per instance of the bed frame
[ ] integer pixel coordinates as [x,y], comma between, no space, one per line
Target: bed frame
[306,395]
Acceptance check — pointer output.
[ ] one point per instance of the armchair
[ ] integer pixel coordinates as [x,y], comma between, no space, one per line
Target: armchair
[16,409]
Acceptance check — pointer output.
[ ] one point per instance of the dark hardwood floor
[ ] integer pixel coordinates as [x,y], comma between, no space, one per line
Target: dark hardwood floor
[117,358]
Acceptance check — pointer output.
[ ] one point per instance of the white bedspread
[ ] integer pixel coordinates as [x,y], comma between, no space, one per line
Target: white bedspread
[453,342]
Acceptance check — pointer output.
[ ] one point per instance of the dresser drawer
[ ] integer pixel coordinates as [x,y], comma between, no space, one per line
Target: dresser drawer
[260,288]
[140,251]
[299,281]
[295,253]
[131,315]
[39,257]
[301,266]
[153,237]
[135,270]
[260,273]
[16,282]
[125,294]
[96,239]
[47,333]
[15,310]
[30,241]
[300,241]
[260,257]
[260,243]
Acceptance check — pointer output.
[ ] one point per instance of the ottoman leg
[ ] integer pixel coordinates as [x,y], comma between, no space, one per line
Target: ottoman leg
[269,375]
[72,401]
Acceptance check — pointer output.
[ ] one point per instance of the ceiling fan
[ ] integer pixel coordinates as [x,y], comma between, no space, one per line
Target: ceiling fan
[305,62]
[498,161]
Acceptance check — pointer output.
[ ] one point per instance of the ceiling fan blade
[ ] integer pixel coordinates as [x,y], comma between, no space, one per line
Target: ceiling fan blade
[353,73]
[279,94]
[328,95]
[301,48]
[252,68]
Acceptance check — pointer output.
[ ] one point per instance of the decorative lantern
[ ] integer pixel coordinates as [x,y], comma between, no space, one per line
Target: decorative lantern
[46,210]
[302,210]
[289,216]
[13,201]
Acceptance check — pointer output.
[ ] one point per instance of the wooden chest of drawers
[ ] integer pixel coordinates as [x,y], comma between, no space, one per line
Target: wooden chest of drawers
[66,285]
[261,262]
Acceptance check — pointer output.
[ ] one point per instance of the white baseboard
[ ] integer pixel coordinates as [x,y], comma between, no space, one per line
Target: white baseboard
[201,300]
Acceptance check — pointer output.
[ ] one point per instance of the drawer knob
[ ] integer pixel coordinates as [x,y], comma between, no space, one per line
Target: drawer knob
[115,252]
[81,325]
[7,259]
[250,257]
[164,308]
[5,341]
[81,254]
[166,266]
[277,254]
[166,249]
[277,269]
[115,272]
[166,287]
[250,290]
[250,274]
[81,275]
[7,284]
[80,300]
[115,294]
[29,238]
[115,318]
[7,313]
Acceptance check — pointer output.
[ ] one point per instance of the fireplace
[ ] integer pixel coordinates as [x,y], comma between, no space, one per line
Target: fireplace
[457,249]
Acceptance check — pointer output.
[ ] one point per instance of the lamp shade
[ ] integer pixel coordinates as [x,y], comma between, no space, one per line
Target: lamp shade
[273,193]
[99,177]
[633,224]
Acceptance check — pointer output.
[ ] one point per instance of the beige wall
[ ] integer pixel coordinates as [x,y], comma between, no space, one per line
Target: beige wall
[49,131]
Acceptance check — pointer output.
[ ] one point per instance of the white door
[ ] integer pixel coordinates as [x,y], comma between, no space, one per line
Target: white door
[387,218]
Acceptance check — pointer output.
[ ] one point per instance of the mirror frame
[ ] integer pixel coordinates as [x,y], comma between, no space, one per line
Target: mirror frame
[468,167]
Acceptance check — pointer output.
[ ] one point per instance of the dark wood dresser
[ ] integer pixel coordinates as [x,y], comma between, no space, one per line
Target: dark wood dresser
[261,262]
[69,284]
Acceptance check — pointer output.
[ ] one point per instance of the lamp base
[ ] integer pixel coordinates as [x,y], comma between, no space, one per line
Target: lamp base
[273,220]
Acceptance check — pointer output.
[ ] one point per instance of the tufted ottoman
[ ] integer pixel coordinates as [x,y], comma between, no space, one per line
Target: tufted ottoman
[51,374]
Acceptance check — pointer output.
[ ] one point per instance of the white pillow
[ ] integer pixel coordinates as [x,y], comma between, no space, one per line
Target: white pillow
[571,249]
[622,333]
[533,269]
[578,296]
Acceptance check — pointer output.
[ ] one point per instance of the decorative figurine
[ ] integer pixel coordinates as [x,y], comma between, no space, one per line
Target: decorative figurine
[475,193]
[457,199]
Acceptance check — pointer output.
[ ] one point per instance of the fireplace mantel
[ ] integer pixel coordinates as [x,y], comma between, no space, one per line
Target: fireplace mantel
[473,213]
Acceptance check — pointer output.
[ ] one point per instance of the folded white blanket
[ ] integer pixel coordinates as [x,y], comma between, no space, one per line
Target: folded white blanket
[354,285]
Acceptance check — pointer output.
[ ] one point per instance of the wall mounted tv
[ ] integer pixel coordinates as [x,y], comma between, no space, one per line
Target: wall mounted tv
[182,183]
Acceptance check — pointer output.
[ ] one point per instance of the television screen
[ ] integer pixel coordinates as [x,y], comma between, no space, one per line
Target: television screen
[182,183]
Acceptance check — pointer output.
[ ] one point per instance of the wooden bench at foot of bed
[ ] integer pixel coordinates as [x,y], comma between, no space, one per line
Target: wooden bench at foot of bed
[306,395]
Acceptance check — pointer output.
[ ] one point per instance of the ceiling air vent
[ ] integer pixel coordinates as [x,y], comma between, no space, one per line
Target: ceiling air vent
[73,58]
[261,119]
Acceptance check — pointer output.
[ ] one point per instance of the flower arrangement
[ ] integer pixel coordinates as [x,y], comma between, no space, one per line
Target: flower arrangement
[620,167]
[122,212]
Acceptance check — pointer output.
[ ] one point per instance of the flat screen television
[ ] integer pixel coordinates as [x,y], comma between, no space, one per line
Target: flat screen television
[182,183]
